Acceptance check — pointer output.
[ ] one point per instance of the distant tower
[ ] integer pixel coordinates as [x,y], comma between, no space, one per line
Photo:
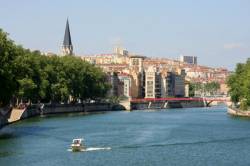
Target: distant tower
[67,48]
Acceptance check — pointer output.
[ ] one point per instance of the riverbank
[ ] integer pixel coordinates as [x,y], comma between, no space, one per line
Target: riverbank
[4,114]
[166,104]
[3,121]
[237,112]
[35,110]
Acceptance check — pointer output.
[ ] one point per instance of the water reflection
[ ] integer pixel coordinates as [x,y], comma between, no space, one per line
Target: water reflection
[6,154]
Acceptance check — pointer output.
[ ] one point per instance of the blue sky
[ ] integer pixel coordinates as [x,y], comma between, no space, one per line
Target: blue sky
[217,31]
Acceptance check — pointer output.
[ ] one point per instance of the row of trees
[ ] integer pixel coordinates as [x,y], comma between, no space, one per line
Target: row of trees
[204,89]
[239,85]
[26,75]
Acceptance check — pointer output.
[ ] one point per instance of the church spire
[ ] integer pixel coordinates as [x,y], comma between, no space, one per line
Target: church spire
[67,48]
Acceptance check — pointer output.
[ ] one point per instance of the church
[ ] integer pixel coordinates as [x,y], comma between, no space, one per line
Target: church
[67,47]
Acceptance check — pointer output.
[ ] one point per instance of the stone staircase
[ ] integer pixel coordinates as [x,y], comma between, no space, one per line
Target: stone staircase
[126,104]
[16,114]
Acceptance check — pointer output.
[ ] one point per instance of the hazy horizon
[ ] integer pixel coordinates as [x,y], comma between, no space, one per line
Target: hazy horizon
[216,32]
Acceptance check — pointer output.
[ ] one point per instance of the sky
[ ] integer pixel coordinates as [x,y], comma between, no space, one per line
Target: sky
[216,31]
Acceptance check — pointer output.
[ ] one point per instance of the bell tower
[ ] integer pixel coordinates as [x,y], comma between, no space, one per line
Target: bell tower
[67,48]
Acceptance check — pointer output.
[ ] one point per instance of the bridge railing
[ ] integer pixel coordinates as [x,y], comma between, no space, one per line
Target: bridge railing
[179,99]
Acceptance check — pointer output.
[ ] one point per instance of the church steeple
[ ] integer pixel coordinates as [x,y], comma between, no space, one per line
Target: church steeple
[67,48]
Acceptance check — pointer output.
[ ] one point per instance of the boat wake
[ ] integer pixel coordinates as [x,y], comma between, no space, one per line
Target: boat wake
[93,149]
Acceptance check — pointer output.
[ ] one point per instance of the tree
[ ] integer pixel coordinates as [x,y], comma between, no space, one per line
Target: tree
[191,90]
[26,88]
[203,88]
[8,52]
[195,88]
[211,88]
[31,76]
[239,84]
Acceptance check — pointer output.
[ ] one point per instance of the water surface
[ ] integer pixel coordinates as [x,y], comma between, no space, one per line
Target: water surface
[195,136]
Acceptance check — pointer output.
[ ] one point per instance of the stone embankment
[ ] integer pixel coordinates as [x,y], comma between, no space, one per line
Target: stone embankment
[237,112]
[34,110]
[166,104]
[18,114]
[3,121]
[4,114]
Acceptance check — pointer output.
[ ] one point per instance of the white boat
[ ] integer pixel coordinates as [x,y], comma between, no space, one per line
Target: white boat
[77,145]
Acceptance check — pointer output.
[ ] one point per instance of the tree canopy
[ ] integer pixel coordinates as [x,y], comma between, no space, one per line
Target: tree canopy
[209,88]
[28,75]
[239,84]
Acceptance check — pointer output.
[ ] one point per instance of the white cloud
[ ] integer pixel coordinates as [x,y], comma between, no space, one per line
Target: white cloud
[231,46]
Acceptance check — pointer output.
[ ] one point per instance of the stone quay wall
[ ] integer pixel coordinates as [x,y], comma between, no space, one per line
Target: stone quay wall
[166,104]
[35,110]
[237,112]
[3,121]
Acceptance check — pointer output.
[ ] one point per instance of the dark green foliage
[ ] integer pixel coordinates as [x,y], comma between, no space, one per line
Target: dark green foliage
[239,84]
[191,90]
[243,105]
[8,53]
[209,88]
[31,76]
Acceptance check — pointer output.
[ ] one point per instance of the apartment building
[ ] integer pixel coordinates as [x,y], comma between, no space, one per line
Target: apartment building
[127,80]
[116,85]
[173,85]
[152,83]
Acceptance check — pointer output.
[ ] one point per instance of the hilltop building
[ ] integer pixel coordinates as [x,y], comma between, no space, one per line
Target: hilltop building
[120,51]
[189,59]
[67,48]
[118,57]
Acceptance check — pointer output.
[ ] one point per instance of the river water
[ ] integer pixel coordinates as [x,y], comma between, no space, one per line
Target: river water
[194,136]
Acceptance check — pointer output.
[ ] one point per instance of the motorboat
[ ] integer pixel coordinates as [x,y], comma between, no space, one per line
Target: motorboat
[78,145]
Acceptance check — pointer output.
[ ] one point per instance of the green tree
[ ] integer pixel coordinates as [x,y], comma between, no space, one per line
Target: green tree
[26,88]
[8,52]
[239,84]
[28,75]
[191,90]
[211,88]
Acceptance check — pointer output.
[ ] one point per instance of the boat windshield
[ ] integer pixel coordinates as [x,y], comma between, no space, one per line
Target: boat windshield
[76,141]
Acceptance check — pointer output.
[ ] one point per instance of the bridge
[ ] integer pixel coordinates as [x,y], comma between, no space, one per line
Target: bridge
[177,102]
[207,99]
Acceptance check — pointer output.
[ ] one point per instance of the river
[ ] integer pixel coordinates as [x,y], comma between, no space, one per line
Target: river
[194,136]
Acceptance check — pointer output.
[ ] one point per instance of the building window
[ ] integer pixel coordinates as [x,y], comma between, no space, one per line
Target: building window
[135,62]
